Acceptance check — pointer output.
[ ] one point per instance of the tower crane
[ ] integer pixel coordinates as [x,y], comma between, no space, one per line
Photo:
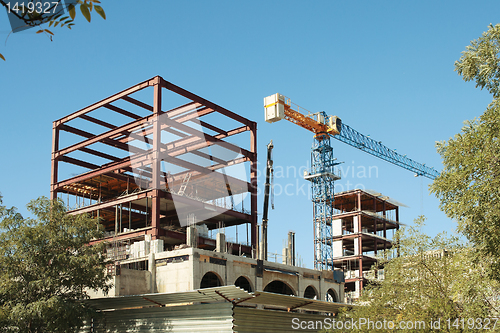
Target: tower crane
[322,174]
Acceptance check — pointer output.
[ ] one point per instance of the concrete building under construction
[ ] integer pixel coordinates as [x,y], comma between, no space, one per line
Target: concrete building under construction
[167,173]
[362,225]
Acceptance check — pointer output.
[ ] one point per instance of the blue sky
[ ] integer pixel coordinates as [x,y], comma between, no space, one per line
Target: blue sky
[384,67]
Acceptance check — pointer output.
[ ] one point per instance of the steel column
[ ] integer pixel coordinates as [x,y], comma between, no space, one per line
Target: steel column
[253,186]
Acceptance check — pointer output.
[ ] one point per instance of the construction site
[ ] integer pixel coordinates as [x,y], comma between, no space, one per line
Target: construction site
[167,173]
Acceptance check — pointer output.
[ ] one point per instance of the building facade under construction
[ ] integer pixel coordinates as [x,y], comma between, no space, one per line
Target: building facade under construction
[168,173]
[363,227]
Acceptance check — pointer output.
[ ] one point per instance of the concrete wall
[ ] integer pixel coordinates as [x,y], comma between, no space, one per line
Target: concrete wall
[183,270]
[132,282]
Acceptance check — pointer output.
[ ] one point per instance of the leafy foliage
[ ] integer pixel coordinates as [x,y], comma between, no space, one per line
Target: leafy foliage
[468,187]
[47,267]
[54,17]
[434,278]
[481,61]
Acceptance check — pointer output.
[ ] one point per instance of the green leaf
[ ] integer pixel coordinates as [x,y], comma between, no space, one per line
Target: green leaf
[100,11]
[2,57]
[72,12]
[85,11]
[50,23]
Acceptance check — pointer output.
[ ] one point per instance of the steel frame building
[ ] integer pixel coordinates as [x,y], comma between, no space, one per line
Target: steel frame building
[135,175]
[360,226]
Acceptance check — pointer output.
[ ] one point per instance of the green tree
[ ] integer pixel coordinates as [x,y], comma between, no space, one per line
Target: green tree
[480,61]
[52,13]
[468,187]
[433,279]
[46,268]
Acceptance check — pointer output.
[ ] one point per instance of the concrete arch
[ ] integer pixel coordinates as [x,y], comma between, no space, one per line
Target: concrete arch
[311,292]
[211,279]
[331,296]
[244,283]
[279,287]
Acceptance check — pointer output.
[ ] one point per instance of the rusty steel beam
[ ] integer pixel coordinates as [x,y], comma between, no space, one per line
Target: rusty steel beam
[207,171]
[138,103]
[103,170]
[184,118]
[212,127]
[103,136]
[193,114]
[208,157]
[137,161]
[175,132]
[253,185]
[182,109]
[177,177]
[207,137]
[100,154]
[54,164]
[200,204]
[125,236]
[121,111]
[110,203]
[89,136]
[75,161]
[105,101]
[192,143]
[156,162]
[196,98]
[98,122]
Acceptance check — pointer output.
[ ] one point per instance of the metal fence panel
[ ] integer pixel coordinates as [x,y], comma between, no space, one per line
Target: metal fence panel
[214,317]
[249,320]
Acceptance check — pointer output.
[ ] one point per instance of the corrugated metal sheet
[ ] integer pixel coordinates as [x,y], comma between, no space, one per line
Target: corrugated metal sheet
[248,320]
[215,317]
[137,313]
[216,294]
[292,302]
[200,295]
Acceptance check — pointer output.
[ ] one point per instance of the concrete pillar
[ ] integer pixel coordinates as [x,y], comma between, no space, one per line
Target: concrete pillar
[259,283]
[152,270]
[230,277]
[192,236]
[291,249]
[220,243]
[284,252]
[321,292]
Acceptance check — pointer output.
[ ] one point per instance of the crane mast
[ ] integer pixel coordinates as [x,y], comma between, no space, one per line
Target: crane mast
[322,174]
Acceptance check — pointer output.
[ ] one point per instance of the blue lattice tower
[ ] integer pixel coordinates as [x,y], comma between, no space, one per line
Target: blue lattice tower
[322,176]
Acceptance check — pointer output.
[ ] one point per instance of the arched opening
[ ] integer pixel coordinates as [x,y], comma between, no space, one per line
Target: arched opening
[311,293]
[279,287]
[210,280]
[243,283]
[331,296]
